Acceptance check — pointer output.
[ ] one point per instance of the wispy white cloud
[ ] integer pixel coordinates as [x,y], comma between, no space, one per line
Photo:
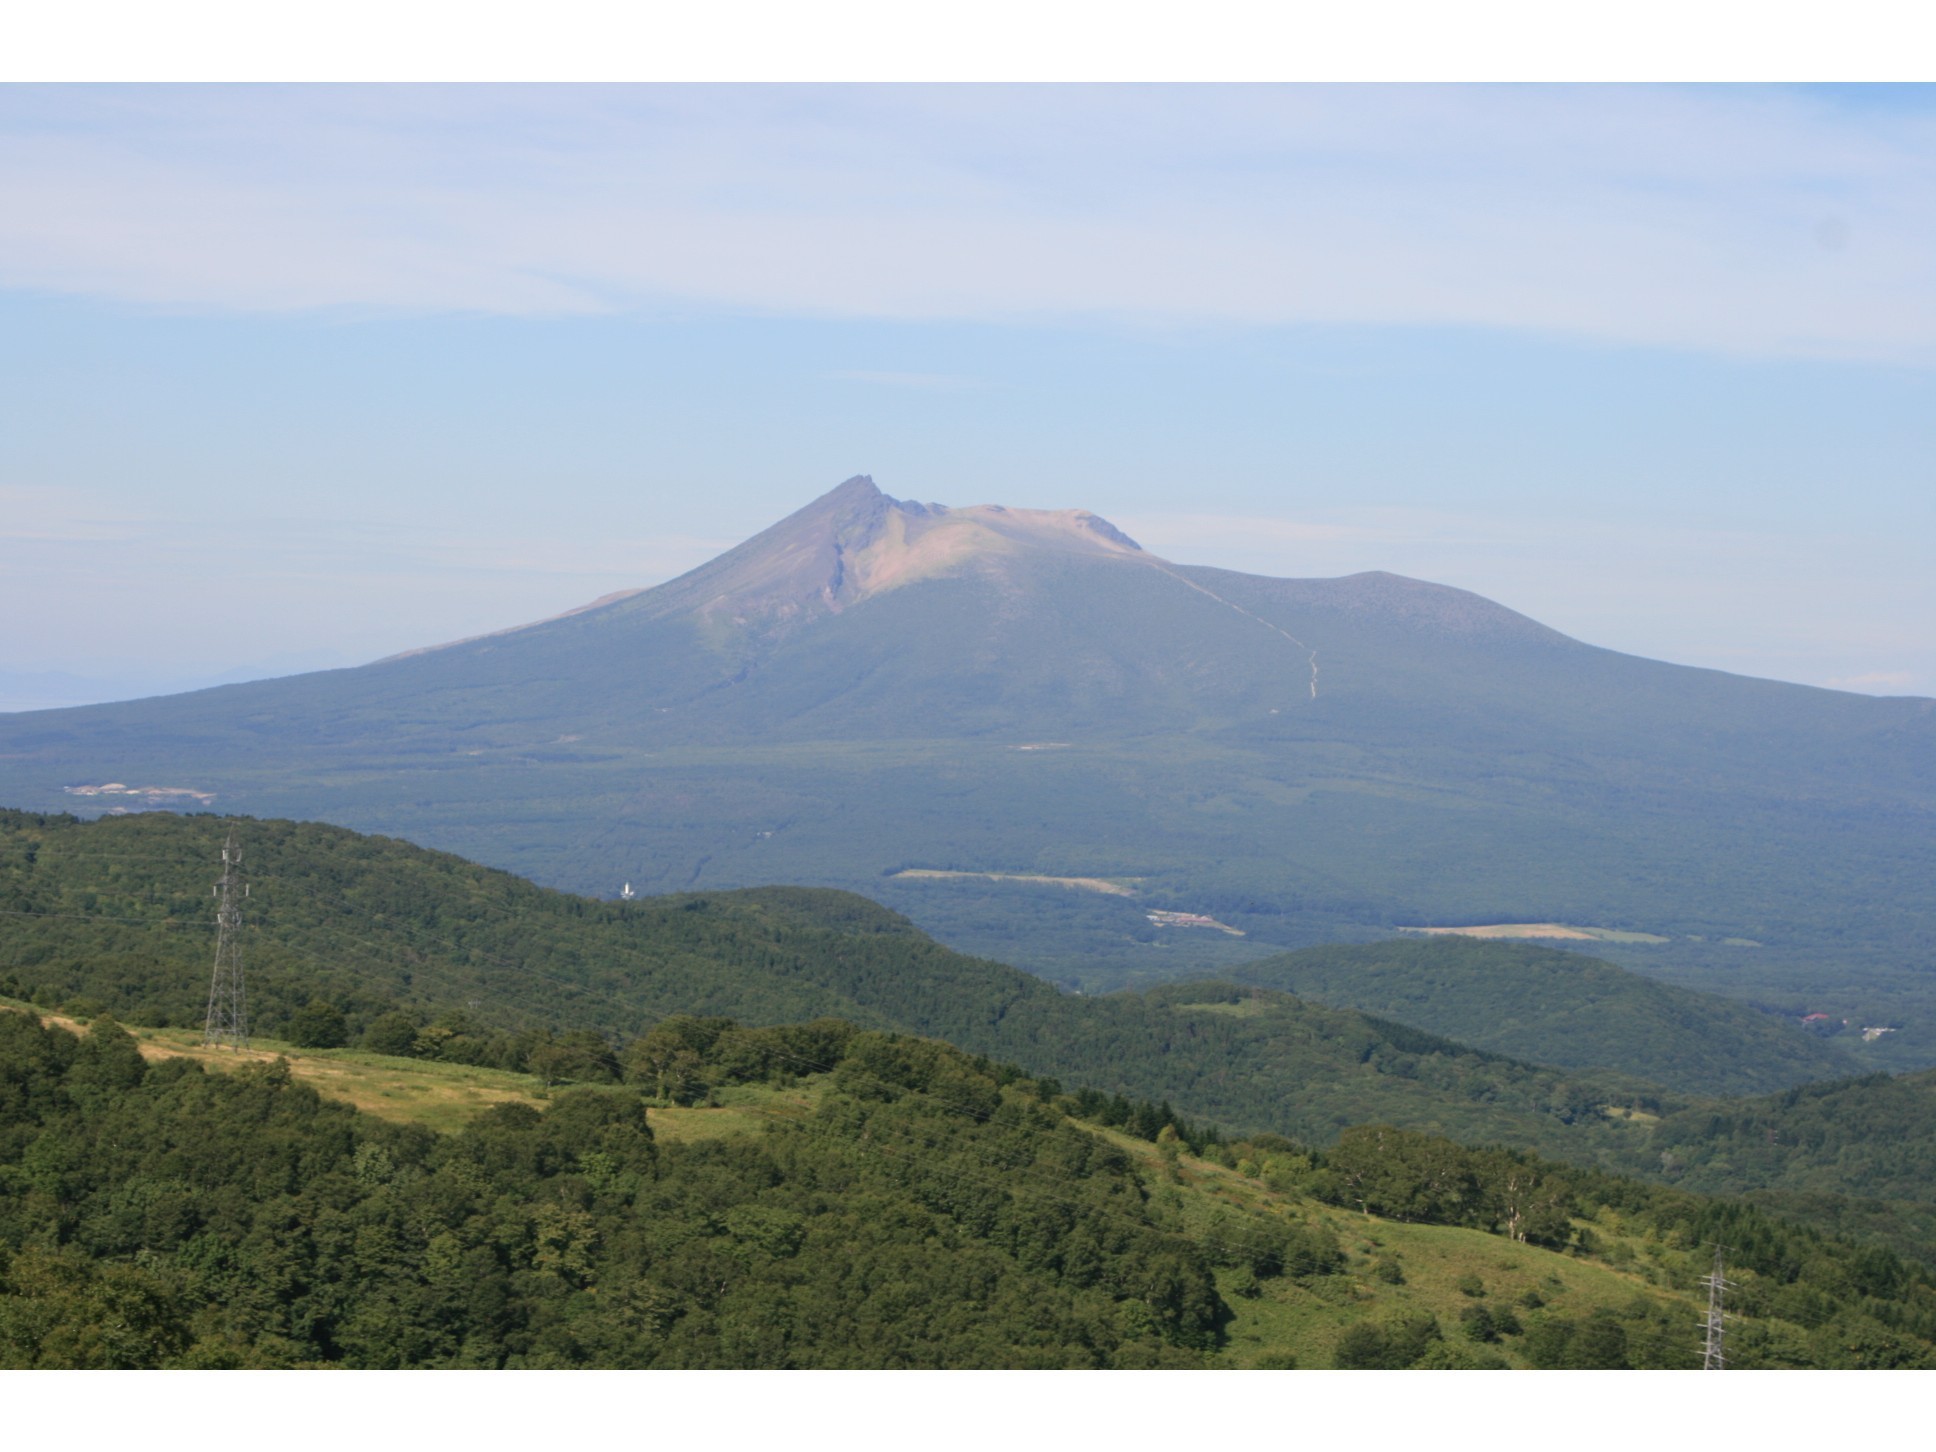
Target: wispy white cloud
[1737,220]
[941,382]
[1875,682]
[40,514]
[643,560]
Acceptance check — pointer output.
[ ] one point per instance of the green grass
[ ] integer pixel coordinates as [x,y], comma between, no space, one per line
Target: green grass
[1303,1320]
[1243,1008]
[1297,1321]
[445,1097]
[734,1109]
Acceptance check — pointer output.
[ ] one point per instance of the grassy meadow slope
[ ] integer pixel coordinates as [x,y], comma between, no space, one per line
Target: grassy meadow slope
[431,1093]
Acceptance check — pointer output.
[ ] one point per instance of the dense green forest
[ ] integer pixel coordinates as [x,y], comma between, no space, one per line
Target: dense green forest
[166,1216]
[354,939]
[907,1205]
[1874,1136]
[1560,1008]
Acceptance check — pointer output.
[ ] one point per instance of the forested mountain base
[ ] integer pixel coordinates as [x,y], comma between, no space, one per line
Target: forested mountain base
[896,1203]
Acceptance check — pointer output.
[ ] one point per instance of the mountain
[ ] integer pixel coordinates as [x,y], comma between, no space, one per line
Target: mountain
[1062,734]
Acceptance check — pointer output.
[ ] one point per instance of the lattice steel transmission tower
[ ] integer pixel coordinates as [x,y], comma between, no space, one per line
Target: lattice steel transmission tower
[1712,1358]
[228,1005]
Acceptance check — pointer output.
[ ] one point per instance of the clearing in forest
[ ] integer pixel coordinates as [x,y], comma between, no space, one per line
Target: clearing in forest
[1081,884]
[1543,930]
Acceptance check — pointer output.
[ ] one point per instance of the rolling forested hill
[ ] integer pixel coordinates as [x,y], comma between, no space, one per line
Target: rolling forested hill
[437,956]
[1561,1008]
[1873,1136]
[115,913]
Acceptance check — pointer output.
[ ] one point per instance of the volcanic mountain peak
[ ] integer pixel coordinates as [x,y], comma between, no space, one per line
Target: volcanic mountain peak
[855,542]
[850,543]
[919,541]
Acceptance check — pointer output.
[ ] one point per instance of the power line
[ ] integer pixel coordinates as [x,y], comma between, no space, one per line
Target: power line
[102,918]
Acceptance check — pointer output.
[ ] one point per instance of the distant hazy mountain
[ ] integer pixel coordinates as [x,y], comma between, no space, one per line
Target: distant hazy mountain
[43,690]
[873,685]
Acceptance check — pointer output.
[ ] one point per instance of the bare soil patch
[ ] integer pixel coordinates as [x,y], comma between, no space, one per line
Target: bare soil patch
[1080,884]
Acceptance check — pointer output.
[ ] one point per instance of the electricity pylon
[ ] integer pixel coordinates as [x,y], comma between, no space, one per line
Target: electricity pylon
[1712,1358]
[228,1008]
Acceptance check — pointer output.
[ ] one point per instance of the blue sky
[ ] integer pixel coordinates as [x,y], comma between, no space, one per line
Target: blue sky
[307,376]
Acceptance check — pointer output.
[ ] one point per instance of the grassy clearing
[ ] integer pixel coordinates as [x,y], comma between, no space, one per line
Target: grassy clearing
[1440,1271]
[1302,1320]
[443,1097]
[738,1109]
[1107,886]
[1629,1114]
[1242,1008]
[1563,931]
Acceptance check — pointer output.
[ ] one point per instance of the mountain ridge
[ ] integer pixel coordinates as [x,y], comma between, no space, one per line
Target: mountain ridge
[855,543]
